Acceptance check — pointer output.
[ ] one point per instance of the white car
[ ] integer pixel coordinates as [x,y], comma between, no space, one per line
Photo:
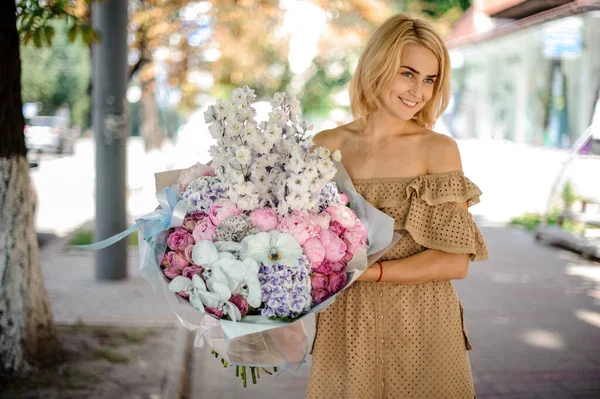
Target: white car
[49,133]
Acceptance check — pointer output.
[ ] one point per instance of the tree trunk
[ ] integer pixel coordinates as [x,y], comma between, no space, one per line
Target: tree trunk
[27,332]
[150,128]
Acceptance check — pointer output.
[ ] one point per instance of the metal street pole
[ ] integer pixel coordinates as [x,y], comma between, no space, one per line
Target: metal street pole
[111,129]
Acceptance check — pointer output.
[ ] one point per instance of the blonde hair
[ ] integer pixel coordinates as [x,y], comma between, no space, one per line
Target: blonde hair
[380,61]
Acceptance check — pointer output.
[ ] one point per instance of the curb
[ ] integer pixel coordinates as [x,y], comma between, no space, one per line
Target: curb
[178,380]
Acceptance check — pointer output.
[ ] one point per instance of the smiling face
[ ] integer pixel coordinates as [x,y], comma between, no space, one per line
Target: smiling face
[414,83]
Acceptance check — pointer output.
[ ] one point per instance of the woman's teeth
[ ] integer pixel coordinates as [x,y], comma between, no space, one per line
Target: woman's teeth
[408,103]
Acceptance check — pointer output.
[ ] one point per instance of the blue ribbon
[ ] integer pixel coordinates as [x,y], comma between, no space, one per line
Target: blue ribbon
[152,227]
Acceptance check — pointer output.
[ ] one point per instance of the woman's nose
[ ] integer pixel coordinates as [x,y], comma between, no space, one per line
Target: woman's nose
[416,89]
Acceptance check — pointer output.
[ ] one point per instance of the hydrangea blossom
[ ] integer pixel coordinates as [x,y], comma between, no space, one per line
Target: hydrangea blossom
[285,291]
[201,193]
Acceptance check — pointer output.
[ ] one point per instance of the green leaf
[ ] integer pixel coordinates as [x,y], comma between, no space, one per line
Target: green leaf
[72,33]
[85,33]
[37,38]
[49,33]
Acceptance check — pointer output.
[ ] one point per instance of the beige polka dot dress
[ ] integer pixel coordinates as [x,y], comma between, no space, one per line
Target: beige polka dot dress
[396,341]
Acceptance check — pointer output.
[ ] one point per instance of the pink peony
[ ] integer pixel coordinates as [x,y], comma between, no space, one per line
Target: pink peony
[320,295]
[240,302]
[192,173]
[326,267]
[356,238]
[264,218]
[342,214]
[344,199]
[335,247]
[314,251]
[218,313]
[177,260]
[179,239]
[319,282]
[190,271]
[337,281]
[347,258]
[339,266]
[205,231]
[337,228]
[183,294]
[188,254]
[221,210]
[171,272]
[321,219]
[300,225]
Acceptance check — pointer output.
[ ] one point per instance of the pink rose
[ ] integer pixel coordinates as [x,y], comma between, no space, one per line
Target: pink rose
[356,238]
[205,231]
[344,199]
[337,281]
[171,272]
[177,260]
[192,173]
[192,219]
[337,228]
[240,302]
[165,261]
[326,267]
[321,219]
[188,253]
[221,210]
[264,218]
[179,239]
[342,214]
[320,295]
[218,313]
[314,251]
[190,271]
[319,282]
[339,266]
[335,247]
[189,223]
[300,225]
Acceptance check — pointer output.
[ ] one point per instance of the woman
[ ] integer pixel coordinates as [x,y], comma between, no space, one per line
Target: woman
[398,332]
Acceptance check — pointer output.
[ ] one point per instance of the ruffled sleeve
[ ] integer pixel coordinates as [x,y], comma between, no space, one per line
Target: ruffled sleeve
[436,222]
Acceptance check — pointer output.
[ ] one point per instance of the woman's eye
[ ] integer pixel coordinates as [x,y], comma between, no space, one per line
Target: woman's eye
[429,81]
[407,74]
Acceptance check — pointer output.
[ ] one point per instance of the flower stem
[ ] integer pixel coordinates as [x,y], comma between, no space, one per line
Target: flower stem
[252,370]
[237,371]
[244,375]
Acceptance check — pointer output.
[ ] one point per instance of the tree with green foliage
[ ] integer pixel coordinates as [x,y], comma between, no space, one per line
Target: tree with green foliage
[58,74]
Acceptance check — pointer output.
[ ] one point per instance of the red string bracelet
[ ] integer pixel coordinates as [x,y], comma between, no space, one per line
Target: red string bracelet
[380,272]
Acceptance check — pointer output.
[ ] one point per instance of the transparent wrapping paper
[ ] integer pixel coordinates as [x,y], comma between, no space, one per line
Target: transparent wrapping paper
[257,341]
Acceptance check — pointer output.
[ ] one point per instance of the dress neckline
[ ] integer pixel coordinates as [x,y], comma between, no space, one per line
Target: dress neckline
[392,179]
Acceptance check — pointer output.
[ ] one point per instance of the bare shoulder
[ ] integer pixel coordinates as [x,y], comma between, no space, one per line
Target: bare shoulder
[334,139]
[443,154]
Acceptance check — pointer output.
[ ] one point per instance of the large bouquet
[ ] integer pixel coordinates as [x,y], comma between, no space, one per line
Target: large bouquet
[266,234]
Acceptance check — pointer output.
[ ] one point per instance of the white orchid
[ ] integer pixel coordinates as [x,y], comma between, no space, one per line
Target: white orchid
[272,248]
[200,297]
[224,273]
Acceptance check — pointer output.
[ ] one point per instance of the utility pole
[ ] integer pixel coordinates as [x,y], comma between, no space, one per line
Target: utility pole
[111,130]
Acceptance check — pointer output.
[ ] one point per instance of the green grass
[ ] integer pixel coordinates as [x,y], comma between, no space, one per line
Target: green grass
[111,355]
[531,220]
[86,237]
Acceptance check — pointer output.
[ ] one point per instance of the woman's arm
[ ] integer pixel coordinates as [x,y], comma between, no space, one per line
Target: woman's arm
[426,266]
